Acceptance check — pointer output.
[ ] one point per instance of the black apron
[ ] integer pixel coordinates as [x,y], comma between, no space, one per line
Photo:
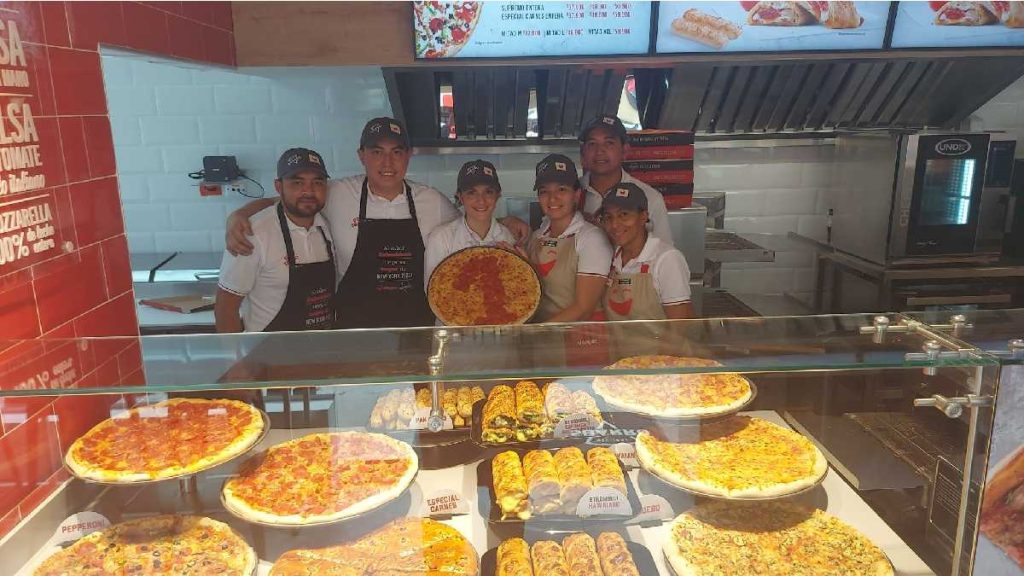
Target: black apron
[309,302]
[383,286]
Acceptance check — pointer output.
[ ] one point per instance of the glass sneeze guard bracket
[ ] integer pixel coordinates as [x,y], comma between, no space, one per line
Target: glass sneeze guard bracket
[953,407]
[435,423]
[881,325]
[1014,350]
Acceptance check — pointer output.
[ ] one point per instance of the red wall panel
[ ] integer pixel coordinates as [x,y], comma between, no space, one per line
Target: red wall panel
[82,286]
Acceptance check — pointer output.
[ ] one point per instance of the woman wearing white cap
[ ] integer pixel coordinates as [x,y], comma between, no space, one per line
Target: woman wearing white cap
[570,255]
[649,278]
[478,190]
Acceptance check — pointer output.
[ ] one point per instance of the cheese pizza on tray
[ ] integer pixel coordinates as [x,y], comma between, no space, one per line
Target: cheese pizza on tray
[673,395]
[171,438]
[769,539]
[740,457]
[407,546]
[321,478]
[173,545]
[483,286]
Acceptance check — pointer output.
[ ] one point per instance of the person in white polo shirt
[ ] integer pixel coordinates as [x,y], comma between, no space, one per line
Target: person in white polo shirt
[603,146]
[287,282]
[649,278]
[380,223]
[478,191]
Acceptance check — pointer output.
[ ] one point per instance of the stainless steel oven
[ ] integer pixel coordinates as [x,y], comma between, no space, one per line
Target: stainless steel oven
[903,197]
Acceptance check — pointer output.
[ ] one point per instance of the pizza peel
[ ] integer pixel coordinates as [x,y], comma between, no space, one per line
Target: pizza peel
[519,260]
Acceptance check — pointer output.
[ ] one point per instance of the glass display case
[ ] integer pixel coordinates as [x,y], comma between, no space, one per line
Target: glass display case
[821,440]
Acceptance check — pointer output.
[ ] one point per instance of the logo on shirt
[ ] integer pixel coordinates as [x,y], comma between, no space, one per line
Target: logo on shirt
[355,222]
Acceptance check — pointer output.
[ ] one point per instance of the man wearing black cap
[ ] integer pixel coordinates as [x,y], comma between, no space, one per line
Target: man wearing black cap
[287,282]
[602,148]
[380,222]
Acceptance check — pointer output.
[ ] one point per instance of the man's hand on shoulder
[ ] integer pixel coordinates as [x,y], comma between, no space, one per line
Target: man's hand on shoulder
[238,227]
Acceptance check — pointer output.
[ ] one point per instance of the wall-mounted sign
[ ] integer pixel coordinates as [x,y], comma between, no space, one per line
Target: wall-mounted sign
[733,26]
[958,24]
[522,29]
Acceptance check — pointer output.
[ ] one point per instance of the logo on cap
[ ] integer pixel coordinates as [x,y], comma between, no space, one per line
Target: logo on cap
[608,120]
[396,128]
[471,169]
[315,159]
[543,167]
[622,192]
[293,159]
[375,128]
[488,171]
[560,166]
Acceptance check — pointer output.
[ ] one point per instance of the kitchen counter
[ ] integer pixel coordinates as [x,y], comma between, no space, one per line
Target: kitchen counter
[157,321]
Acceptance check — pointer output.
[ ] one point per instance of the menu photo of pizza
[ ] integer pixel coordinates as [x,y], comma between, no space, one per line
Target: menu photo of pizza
[770,26]
[443,28]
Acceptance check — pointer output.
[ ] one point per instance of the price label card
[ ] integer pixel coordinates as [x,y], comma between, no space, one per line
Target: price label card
[654,507]
[78,525]
[603,500]
[626,454]
[419,420]
[444,502]
[576,424]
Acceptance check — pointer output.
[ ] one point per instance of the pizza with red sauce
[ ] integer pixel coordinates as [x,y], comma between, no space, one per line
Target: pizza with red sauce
[321,478]
[483,286]
[443,28]
[171,438]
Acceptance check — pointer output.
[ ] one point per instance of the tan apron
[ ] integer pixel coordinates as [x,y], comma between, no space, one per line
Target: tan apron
[556,262]
[633,297]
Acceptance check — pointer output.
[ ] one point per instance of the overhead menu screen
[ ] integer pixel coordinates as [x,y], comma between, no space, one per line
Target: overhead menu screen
[958,24]
[732,26]
[524,29]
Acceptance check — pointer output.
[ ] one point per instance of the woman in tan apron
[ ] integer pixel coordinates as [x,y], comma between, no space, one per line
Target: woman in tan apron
[649,278]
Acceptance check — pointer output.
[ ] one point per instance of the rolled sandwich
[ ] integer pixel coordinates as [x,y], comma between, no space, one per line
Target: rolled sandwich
[514,558]
[616,559]
[605,470]
[548,559]
[558,402]
[542,481]
[529,403]
[510,485]
[581,553]
[573,477]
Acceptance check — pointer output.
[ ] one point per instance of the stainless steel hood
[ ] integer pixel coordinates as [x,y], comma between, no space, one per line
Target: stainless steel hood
[747,98]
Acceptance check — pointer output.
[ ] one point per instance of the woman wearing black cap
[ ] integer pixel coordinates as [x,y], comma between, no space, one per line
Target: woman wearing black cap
[570,254]
[649,278]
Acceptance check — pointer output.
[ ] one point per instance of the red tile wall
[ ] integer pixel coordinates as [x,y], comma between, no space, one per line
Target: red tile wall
[84,290]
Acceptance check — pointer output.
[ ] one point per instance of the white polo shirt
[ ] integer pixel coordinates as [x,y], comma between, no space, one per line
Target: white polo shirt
[592,245]
[449,238]
[656,210]
[262,277]
[667,267]
[342,213]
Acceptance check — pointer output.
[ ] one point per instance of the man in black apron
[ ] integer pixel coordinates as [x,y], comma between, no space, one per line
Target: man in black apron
[308,300]
[383,285]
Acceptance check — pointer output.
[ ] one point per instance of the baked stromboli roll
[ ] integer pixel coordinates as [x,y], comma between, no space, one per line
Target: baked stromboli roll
[724,26]
[573,477]
[842,15]
[514,558]
[605,469]
[584,403]
[529,403]
[558,401]
[376,418]
[406,406]
[423,399]
[701,33]
[449,402]
[477,394]
[542,481]
[616,560]
[500,408]
[510,485]
[581,554]
[548,559]
[464,402]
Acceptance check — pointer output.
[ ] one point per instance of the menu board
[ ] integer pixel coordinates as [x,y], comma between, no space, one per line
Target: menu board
[522,29]
[733,26]
[958,24]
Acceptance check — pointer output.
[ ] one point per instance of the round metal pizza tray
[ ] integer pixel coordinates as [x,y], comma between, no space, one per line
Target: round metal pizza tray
[533,274]
[675,486]
[630,417]
[255,443]
[365,513]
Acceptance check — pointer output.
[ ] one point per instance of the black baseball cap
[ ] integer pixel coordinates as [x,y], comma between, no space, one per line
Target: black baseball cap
[627,196]
[295,160]
[606,121]
[381,129]
[558,169]
[478,172]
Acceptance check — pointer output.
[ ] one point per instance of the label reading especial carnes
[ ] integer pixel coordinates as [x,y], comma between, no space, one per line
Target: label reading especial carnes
[654,507]
[444,502]
[422,416]
[79,525]
[575,424]
[626,454]
[603,500]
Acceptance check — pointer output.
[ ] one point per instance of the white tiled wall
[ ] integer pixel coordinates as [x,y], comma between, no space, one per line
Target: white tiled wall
[167,115]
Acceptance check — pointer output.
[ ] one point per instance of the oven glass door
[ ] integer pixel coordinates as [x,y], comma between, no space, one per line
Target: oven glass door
[948,180]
